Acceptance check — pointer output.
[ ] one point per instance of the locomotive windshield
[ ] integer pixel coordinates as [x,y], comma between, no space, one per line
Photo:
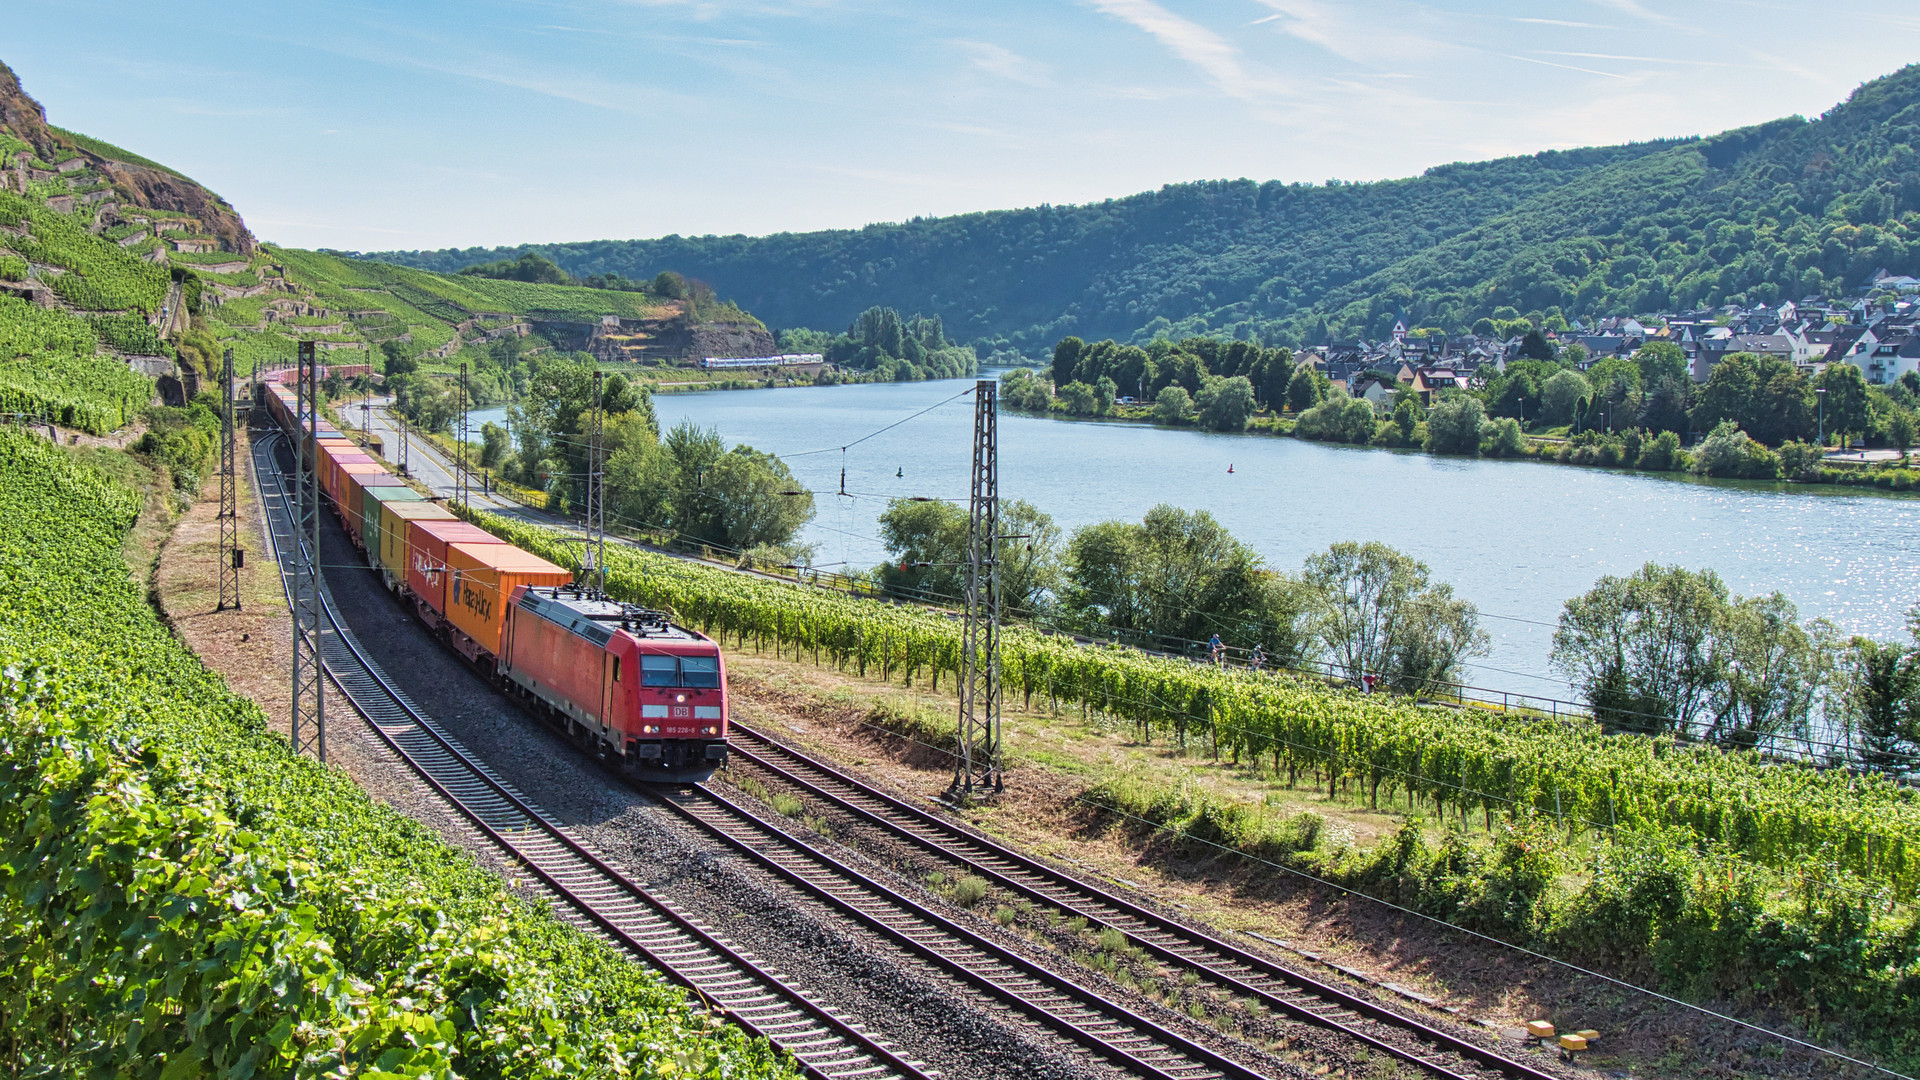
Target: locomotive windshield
[659,671]
[700,672]
[703,671]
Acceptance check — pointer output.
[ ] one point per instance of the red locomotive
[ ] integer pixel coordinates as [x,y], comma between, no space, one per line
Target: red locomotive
[621,681]
[615,675]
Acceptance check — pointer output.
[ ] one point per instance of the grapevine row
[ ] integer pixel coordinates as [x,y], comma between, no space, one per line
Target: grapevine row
[1780,816]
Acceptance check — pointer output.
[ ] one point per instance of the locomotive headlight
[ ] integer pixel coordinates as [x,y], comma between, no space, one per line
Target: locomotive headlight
[649,729]
[709,730]
[682,698]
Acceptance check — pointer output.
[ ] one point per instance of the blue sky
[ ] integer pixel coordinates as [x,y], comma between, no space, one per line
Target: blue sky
[431,124]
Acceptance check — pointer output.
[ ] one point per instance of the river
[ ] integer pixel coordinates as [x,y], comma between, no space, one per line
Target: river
[1516,538]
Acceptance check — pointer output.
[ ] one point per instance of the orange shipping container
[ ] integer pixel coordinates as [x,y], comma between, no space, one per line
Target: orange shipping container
[337,471]
[427,543]
[482,582]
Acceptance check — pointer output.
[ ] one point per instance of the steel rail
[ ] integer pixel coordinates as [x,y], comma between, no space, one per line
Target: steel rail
[1293,993]
[1076,1012]
[827,1046]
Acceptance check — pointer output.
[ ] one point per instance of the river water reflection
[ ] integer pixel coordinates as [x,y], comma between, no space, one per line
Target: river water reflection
[1516,538]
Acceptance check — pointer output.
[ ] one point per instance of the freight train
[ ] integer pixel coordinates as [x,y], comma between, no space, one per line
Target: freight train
[621,681]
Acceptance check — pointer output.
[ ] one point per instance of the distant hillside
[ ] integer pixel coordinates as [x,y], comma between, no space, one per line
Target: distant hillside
[116,270]
[1762,213]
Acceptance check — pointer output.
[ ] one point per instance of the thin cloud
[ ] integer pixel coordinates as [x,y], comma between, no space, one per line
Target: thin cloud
[1560,22]
[1637,10]
[1364,39]
[1635,59]
[1000,61]
[1191,42]
[1567,67]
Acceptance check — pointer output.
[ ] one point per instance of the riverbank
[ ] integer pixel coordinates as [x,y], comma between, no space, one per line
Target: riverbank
[1620,451]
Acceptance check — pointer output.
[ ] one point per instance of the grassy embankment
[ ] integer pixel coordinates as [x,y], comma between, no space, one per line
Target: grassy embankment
[187,896]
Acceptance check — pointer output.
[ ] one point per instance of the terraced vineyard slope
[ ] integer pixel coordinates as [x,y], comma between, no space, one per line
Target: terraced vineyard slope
[188,897]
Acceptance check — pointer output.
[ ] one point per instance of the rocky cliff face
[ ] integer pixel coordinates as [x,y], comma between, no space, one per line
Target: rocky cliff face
[135,184]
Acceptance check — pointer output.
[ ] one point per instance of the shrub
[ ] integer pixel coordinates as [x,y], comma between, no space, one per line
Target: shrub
[1173,406]
[1339,418]
[1729,452]
[1662,453]
[968,890]
[1799,460]
[1504,438]
[1453,425]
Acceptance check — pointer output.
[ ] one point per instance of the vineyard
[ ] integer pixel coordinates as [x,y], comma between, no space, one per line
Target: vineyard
[48,367]
[352,284]
[1780,816]
[186,897]
[101,276]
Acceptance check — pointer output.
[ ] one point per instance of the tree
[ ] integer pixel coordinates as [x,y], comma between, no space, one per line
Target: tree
[1883,702]
[1535,346]
[1660,360]
[1641,647]
[530,266]
[1562,396]
[1173,406]
[1845,400]
[1104,395]
[1728,452]
[1901,428]
[1505,437]
[1339,418]
[1031,571]
[755,501]
[494,446]
[1771,673]
[619,396]
[1453,425]
[1766,396]
[1080,399]
[1177,575]
[1307,388]
[1225,404]
[690,484]
[1021,389]
[926,546]
[1066,358]
[1375,610]
[1406,418]
[1274,377]
[1667,401]
[398,360]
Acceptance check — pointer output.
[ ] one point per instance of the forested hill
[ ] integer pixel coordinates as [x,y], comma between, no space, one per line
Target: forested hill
[1761,213]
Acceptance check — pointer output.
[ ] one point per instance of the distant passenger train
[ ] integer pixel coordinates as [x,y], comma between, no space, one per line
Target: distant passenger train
[713,363]
[619,680]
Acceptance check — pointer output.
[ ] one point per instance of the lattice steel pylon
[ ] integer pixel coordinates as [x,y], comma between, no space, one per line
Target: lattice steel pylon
[594,564]
[309,679]
[976,767]
[229,567]
[460,470]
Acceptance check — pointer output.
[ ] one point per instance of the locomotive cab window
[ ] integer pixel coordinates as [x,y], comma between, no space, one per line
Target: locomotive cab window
[659,671]
[616,669]
[701,671]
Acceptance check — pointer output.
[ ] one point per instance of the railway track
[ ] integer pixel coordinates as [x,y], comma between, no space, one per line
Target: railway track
[600,897]
[1105,1028]
[1287,992]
